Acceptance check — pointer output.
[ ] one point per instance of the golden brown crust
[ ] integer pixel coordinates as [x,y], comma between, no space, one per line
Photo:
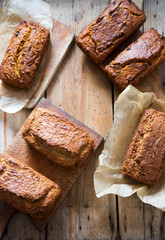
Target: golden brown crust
[145,158]
[57,138]
[117,22]
[25,189]
[24,54]
[138,60]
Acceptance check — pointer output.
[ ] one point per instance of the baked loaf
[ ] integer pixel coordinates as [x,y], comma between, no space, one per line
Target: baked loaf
[24,54]
[117,22]
[26,189]
[57,138]
[145,158]
[137,60]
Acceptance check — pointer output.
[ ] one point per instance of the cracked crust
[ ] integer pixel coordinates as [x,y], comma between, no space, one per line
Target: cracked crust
[24,54]
[25,189]
[145,158]
[57,138]
[137,60]
[117,22]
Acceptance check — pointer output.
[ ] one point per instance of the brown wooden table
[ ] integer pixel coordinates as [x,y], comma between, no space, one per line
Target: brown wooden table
[82,89]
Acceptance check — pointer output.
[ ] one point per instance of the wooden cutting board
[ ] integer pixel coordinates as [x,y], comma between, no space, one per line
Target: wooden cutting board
[64,177]
[62,37]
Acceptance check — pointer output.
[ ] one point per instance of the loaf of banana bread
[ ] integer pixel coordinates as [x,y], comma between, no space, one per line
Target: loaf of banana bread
[57,138]
[145,158]
[26,189]
[137,60]
[24,54]
[117,22]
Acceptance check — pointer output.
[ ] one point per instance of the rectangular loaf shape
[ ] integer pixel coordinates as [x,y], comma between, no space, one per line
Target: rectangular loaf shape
[25,189]
[24,54]
[57,138]
[117,22]
[137,60]
[145,158]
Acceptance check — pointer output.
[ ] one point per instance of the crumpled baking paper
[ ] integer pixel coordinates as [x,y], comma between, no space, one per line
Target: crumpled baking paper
[13,12]
[139,3]
[129,107]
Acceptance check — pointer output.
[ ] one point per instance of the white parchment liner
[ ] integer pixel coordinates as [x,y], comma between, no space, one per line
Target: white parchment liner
[107,178]
[13,12]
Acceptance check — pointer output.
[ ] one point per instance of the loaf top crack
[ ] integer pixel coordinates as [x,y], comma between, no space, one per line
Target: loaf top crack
[24,54]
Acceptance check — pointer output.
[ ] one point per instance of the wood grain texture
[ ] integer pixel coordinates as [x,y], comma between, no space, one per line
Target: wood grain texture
[83,90]
[86,94]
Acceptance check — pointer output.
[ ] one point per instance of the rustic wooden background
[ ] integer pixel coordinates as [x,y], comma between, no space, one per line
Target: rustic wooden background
[82,89]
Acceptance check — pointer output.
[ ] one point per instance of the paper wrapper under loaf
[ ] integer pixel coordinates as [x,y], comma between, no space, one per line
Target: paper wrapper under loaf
[108,179]
[13,12]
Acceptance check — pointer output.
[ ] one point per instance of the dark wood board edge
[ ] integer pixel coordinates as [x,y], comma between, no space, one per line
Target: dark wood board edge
[5,215]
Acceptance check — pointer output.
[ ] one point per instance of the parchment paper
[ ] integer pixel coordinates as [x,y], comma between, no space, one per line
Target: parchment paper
[13,12]
[107,178]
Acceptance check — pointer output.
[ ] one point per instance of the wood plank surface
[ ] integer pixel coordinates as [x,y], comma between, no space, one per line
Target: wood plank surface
[86,89]
[83,90]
